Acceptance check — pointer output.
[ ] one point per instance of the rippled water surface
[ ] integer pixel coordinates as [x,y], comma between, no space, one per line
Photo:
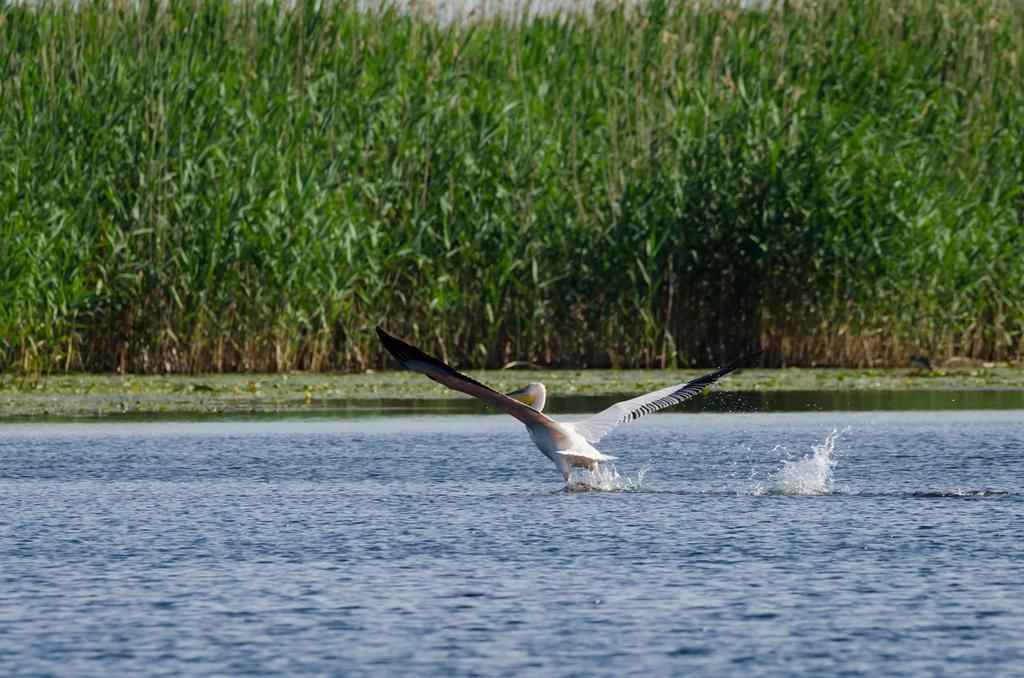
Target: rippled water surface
[733,543]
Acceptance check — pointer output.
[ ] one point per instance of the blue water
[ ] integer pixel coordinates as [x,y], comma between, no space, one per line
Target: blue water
[447,545]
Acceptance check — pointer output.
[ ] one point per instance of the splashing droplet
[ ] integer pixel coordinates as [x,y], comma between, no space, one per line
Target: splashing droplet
[605,479]
[811,475]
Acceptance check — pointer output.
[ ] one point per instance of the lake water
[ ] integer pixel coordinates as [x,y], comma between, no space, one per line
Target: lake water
[733,543]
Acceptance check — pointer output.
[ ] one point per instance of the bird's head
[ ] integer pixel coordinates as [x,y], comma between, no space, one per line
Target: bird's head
[533,394]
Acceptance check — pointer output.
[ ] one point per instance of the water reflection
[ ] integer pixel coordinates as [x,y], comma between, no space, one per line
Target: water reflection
[715,401]
[558,405]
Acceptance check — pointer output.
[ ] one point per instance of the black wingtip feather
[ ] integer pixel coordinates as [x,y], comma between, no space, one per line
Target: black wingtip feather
[741,361]
[737,363]
[747,360]
[404,352]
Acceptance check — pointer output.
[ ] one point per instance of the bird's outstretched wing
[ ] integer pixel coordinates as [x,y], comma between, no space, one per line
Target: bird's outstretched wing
[596,427]
[414,359]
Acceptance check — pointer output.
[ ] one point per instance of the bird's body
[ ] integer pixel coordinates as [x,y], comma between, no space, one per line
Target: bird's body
[565,447]
[568,444]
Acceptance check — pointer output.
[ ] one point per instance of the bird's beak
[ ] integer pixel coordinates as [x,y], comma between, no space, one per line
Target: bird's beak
[522,395]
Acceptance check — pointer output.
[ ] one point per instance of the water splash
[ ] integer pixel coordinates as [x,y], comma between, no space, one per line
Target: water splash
[960,494]
[605,479]
[810,475]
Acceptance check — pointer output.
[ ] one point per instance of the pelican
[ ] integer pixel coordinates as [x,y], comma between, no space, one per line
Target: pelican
[568,444]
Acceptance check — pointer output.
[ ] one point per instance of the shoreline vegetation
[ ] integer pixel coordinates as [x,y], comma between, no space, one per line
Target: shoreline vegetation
[245,186]
[82,395]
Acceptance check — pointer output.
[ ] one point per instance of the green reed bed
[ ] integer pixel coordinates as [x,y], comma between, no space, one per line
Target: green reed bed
[215,186]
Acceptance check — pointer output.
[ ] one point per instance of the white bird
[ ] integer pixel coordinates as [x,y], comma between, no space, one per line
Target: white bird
[568,444]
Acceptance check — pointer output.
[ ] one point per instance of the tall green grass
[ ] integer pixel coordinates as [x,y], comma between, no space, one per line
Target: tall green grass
[244,185]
